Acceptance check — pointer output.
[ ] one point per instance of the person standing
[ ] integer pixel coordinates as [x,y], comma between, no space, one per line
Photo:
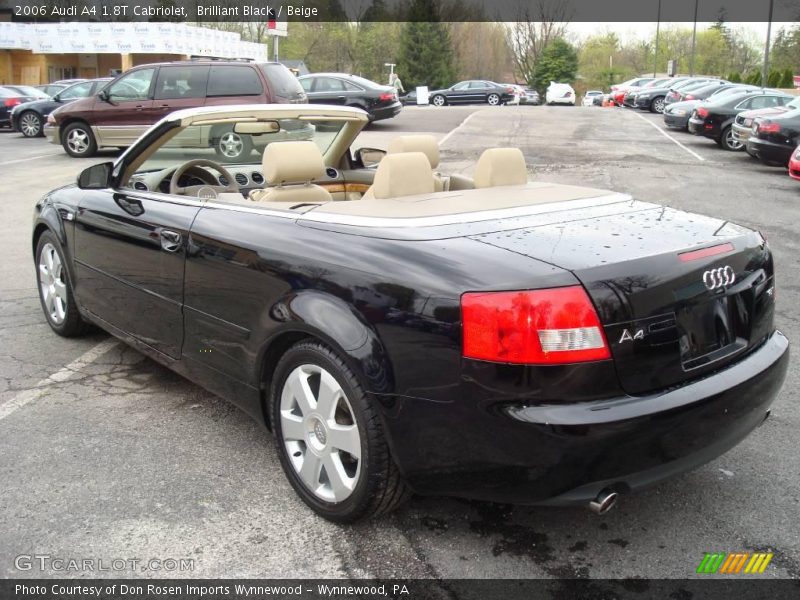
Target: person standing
[397,84]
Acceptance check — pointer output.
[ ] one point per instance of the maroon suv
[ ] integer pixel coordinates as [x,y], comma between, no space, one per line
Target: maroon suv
[130,104]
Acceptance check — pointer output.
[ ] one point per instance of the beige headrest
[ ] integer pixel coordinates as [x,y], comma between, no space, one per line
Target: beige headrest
[292,162]
[501,166]
[404,174]
[416,143]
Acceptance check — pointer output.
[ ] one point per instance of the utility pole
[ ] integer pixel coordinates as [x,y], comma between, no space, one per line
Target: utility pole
[694,39]
[765,73]
[658,31]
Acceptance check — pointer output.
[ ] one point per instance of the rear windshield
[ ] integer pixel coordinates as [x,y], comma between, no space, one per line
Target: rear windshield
[282,80]
[6,93]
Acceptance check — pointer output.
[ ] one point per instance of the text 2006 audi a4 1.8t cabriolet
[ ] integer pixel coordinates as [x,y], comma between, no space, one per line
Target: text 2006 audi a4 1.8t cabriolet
[403,330]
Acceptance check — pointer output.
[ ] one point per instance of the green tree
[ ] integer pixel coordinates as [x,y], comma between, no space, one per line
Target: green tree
[734,77]
[426,51]
[774,78]
[558,62]
[787,81]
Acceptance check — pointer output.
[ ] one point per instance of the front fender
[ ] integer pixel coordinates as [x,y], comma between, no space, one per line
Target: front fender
[54,217]
[342,326]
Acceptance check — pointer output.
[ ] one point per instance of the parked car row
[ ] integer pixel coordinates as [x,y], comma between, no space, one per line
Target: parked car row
[765,123]
[738,117]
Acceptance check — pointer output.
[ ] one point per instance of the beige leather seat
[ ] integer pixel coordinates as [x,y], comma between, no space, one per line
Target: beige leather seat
[501,166]
[289,168]
[426,144]
[403,174]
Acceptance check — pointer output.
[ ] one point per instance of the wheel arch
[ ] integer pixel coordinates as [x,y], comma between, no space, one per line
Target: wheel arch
[311,315]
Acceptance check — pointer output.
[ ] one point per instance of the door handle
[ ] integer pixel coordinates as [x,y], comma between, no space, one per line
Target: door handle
[139,107]
[165,106]
[170,240]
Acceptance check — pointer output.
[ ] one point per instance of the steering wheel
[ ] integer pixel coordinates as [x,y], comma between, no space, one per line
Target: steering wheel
[192,190]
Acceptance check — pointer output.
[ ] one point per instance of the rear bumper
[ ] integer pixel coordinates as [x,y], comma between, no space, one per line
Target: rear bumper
[769,151]
[568,453]
[679,122]
[386,112]
[698,127]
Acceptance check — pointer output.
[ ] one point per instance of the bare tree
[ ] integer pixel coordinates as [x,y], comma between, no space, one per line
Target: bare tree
[538,23]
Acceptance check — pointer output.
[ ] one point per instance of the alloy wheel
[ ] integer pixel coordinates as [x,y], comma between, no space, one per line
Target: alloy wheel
[52,284]
[320,433]
[231,145]
[78,141]
[658,105]
[438,100]
[732,143]
[30,124]
[493,99]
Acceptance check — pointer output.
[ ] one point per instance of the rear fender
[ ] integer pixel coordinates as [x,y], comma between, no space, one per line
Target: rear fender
[341,326]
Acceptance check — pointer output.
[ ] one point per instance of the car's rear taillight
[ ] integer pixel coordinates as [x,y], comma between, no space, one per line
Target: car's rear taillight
[769,127]
[386,96]
[567,94]
[702,113]
[11,102]
[534,327]
[689,97]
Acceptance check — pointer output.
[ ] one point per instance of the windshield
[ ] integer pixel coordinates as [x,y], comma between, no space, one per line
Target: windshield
[220,143]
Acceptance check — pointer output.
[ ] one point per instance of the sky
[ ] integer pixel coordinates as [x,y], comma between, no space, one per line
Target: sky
[627,31]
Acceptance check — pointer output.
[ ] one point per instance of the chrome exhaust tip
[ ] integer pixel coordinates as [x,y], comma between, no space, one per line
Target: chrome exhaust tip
[604,502]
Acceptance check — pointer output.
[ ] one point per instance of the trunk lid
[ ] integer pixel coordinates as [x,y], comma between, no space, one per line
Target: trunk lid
[668,316]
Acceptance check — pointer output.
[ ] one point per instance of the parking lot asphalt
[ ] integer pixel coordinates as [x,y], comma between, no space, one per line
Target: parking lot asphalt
[106,455]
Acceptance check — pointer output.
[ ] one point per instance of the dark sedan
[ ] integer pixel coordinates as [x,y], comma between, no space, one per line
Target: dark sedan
[29,118]
[679,93]
[505,346]
[715,119]
[775,138]
[380,101]
[9,99]
[677,114]
[476,91]
[652,97]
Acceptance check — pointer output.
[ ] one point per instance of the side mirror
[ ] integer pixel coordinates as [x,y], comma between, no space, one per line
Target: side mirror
[103,95]
[96,177]
[368,157]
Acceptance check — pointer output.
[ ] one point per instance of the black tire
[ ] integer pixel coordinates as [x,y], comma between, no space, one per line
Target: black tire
[30,124]
[78,140]
[230,146]
[438,100]
[493,99]
[727,141]
[657,105]
[72,324]
[380,489]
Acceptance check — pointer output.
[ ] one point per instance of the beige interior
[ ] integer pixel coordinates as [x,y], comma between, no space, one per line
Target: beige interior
[399,175]
[426,144]
[500,167]
[289,168]
[431,204]
[416,143]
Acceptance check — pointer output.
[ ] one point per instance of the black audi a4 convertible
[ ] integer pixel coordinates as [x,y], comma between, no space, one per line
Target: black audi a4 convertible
[401,330]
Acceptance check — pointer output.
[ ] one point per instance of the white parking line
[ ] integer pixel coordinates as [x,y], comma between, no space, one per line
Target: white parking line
[19,160]
[76,366]
[669,137]
[457,127]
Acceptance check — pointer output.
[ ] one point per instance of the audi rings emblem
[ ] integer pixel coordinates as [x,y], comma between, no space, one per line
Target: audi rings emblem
[716,279]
